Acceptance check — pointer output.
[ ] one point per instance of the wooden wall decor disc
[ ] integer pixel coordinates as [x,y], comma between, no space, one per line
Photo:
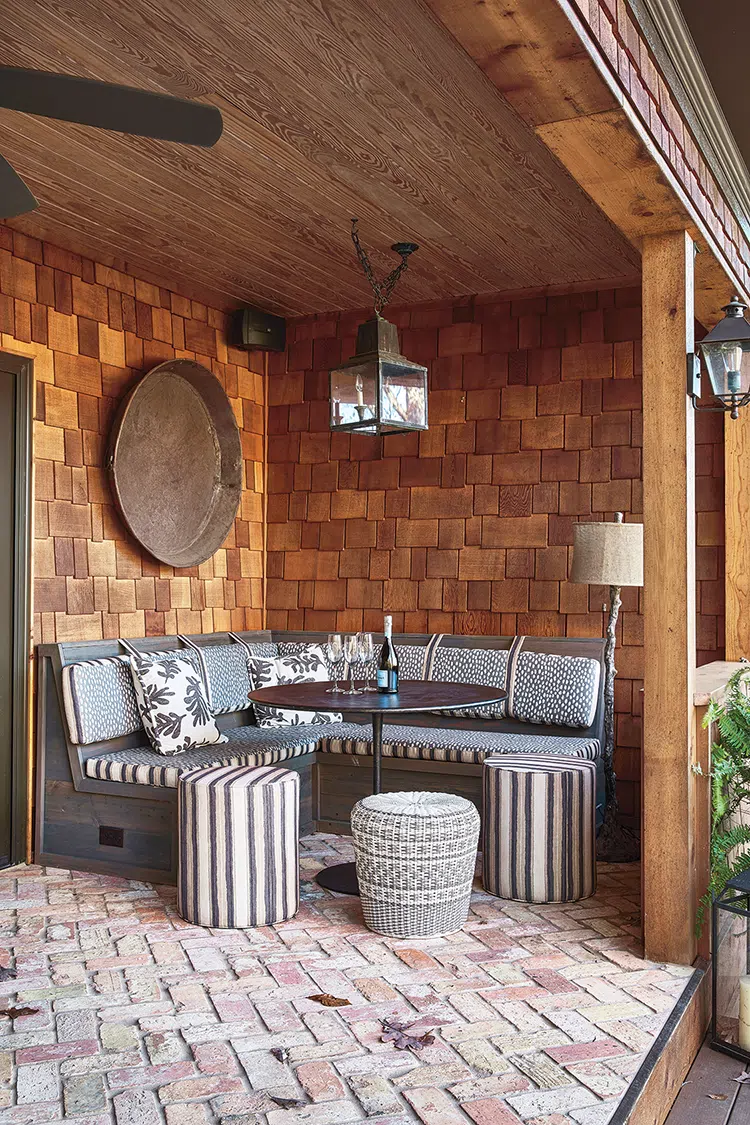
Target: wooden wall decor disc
[175,463]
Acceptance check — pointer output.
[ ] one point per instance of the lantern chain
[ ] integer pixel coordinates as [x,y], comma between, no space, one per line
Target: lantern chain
[382,290]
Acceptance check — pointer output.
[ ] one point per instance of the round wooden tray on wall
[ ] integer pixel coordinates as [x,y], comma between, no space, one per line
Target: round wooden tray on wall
[175,463]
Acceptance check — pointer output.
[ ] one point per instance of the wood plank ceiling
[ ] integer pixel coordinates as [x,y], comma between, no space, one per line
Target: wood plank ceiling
[332,108]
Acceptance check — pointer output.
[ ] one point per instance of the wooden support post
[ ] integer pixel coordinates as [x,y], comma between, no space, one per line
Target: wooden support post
[669,600]
[737,531]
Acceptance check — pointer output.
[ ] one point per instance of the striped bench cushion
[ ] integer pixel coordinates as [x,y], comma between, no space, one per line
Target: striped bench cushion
[238,850]
[248,746]
[539,835]
[437,744]
[261,746]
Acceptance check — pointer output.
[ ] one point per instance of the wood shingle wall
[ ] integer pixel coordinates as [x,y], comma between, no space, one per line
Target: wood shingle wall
[535,423]
[92,331]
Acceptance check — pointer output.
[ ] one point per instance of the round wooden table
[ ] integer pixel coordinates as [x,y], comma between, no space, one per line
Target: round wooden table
[412,696]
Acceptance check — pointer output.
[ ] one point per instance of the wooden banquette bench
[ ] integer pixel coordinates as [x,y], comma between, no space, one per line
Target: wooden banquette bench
[106,802]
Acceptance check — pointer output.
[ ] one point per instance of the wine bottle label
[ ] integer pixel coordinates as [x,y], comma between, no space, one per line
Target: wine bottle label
[382,680]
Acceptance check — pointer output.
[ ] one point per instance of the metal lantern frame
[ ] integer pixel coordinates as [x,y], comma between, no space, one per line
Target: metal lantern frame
[382,379]
[734,329]
[377,349]
[737,891]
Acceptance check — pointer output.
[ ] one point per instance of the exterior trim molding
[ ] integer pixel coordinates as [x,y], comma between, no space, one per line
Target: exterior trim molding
[669,37]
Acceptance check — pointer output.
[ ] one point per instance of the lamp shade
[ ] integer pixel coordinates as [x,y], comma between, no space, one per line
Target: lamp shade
[608,554]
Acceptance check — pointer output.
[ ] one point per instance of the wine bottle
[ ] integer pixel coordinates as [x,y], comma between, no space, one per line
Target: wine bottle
[388,665]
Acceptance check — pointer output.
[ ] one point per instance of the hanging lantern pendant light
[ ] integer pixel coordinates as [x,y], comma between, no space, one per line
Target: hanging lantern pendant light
[726,356]
[378,390]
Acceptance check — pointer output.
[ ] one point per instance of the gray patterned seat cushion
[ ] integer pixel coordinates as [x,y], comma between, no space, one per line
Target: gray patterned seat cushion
[557,690]
[99,696]
[245,746]
[486,666]
[226,666]
[436,744]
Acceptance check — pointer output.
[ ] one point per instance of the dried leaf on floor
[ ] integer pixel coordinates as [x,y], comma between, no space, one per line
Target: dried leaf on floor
[329,1001]
[285,1103]
[717,1097]
[400,1035]
[7,974]
[280,1053]
[14,1013]
[744,1077]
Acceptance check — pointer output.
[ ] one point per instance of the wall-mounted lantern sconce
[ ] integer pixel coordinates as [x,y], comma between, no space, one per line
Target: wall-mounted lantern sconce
[726,359]
[378,390]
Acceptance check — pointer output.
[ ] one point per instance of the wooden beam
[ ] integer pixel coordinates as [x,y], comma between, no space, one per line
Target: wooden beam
[737,532]
[669,592]
[532,53]
[634,189]
[542,56]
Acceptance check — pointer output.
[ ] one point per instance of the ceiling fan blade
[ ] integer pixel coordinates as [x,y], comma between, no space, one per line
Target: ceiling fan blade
[122,109]
[15,197]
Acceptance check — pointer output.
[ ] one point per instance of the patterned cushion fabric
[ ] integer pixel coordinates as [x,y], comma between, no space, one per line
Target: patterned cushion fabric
[486,666]
[173,704]
[559,690]
[99,697]
[307,666]
[228,677]
[436,744]
[249,746]
[411,661]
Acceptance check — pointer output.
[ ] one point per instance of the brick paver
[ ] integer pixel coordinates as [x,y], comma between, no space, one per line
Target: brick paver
[541,1014]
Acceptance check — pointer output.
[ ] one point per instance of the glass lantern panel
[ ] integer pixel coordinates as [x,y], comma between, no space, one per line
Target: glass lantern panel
[728,368]
[354,398]
[732,969]
[403,395]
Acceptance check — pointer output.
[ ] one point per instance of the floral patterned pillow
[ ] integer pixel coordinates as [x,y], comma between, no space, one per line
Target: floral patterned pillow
[305,667]
[173,705]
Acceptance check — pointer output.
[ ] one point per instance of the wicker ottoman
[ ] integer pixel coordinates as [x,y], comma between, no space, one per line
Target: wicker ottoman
[416,854]
[238,849]
[539,836]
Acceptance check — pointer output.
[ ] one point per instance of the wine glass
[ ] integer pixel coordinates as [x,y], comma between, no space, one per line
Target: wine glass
[335,653]
[366,656]
[351,656]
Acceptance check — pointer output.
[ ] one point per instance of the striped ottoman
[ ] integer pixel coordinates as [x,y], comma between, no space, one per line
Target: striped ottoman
[539,837]
[238,849]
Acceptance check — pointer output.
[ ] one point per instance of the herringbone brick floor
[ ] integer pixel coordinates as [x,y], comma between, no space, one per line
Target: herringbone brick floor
[542,1014]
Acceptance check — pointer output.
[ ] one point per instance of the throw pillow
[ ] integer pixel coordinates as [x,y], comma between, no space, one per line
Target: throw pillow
[173,705]
[305,667]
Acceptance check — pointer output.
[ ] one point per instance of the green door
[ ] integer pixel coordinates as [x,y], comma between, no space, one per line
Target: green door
[15,382]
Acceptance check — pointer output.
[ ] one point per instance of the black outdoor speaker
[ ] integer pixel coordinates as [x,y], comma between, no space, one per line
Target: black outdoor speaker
[254,328]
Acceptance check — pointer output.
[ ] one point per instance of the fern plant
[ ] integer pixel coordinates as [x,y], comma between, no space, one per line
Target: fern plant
[730,786]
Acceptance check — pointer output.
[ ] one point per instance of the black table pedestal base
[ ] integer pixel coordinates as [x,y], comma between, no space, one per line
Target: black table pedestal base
[341,878]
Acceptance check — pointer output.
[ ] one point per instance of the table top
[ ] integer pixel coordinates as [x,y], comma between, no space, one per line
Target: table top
[413,695]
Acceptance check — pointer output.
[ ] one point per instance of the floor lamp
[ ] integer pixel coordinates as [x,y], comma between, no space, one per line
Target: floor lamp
[610,554]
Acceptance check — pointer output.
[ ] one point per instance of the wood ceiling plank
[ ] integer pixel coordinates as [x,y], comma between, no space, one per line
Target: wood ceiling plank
[331,109]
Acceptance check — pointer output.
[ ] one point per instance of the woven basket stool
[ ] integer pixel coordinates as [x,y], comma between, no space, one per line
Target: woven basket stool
[238,849]
[416,854]
[539,836]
